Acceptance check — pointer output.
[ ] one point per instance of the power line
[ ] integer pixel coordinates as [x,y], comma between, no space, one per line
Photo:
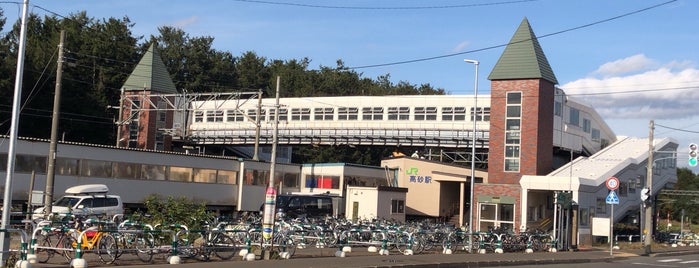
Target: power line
[677,129]
[503,45]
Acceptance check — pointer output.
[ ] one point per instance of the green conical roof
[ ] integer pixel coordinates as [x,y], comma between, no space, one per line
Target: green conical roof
[150,74]
[523,58]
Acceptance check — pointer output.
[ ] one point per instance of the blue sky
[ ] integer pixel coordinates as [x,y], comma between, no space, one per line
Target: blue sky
[632,60]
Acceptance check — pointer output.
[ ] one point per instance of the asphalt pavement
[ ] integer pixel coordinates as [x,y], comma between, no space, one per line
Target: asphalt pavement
[361,258]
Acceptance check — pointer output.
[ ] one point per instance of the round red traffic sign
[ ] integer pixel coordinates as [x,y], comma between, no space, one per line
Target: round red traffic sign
[612,183]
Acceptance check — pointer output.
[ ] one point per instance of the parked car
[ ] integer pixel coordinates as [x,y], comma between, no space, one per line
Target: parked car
[303,206]
[88,199]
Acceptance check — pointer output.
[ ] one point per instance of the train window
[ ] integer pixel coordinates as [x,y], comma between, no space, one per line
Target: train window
[323,113]
[234,116]
[347,113]
[398,113]
[372,113]
[425,113]
[301,114]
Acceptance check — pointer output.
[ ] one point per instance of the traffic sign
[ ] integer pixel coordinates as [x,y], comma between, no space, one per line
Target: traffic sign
[612,198]
[612,183]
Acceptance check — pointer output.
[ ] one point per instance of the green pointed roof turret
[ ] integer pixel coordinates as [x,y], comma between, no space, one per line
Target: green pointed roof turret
[523,58]
[150,74]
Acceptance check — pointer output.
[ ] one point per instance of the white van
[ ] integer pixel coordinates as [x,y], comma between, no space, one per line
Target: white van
[88,199]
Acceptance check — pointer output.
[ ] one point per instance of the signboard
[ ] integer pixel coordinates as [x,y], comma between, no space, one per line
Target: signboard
[612,198]
[600,226]
[612,183]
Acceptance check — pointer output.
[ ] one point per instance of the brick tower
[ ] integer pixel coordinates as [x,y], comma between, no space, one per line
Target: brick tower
[521,128]
[141,120]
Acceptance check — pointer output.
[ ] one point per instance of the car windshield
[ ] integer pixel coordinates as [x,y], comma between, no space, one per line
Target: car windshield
[66,202]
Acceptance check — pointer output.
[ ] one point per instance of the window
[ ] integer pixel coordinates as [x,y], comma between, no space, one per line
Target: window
[204,175]
[496,215]
[198,116]
[398,113]
[29,163]
[323,114]
[227,177]
[127,170]
[453,113]
[291,180]
[557,107]
[425,113]
[574,118]
[372,113]
[300,114]
[153,172]
[323,182]
[586,125]
[234,116]
[513,121]
[256,177]
[397,206]
[595,135]
[95,168]
[283,114]
[347,113]
[183,174]
[66,166]
[252,115]
[481,113]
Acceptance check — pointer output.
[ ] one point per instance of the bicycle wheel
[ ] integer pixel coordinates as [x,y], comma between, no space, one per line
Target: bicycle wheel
[43,254]
[224,247]
[282,243]
[144,247]
[65,245]
[186,248]
[107,248]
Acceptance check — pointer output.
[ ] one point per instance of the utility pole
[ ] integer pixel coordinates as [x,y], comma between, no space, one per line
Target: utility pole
[648,213]
[257,125]
[51,172]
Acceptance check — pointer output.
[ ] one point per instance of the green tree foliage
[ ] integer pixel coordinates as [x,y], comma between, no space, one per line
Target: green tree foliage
[175,210]
[98,58]
[674,204]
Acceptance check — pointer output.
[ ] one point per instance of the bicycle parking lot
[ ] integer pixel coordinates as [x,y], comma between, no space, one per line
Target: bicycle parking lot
[106,243]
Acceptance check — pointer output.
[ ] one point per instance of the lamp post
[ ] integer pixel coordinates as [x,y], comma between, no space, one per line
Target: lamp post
[473,143]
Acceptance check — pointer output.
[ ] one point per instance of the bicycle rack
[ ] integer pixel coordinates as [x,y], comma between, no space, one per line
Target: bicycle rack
[22,262]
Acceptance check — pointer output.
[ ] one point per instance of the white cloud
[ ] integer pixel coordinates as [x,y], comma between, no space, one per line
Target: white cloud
[185,22]
[627,65]
[460,47]
[669,91]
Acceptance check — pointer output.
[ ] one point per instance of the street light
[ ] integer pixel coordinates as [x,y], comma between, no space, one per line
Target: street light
[473,143]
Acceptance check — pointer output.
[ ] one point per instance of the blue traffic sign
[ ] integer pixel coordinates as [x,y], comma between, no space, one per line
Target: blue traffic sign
[612,198]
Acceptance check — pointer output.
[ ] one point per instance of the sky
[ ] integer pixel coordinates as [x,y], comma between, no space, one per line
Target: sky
[632,60]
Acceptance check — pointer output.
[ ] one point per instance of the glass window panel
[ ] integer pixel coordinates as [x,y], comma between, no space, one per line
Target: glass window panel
[514,111]
[180,174]
[29,163]
[95,168]
[153,172]
[291,180]
[514,98]
[66,166]
[227,177]
[488,212]
[512,124]
[511,164]
[126,170]
[511,151]
[204,175]
[512,137]
[507,212]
